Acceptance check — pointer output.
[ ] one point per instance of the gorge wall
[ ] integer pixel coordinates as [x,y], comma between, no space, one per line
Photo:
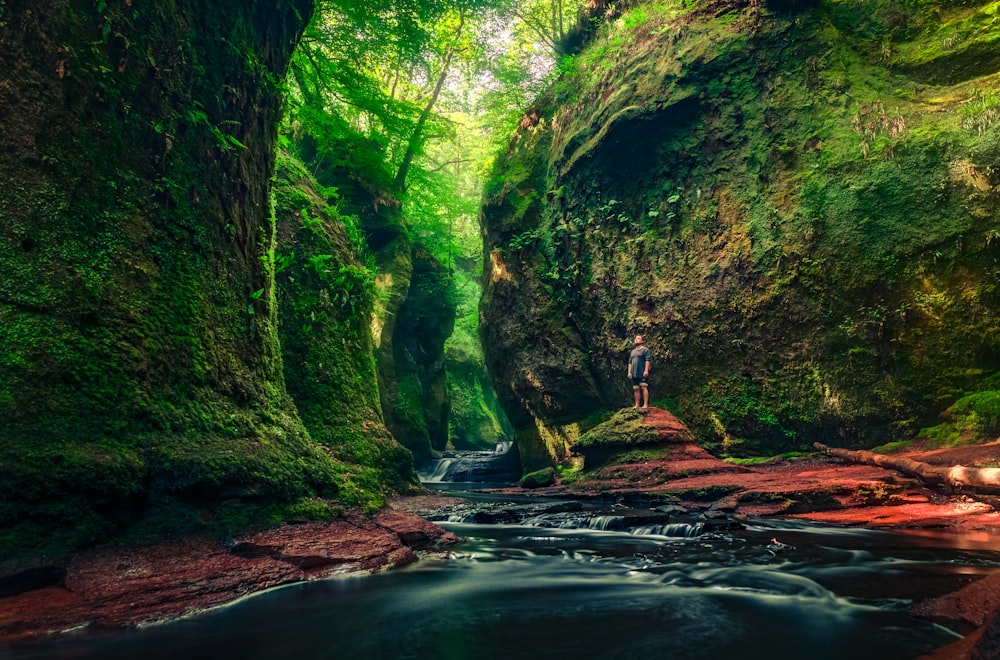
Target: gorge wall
[326,300]
[180,351]
[800,203]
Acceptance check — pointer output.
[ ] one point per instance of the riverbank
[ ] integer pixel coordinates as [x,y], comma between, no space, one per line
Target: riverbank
[117,588]
[124,587]
[815,487]
[824,489]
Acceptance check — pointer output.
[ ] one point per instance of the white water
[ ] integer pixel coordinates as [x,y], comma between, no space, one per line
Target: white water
[468,466]
[437,474]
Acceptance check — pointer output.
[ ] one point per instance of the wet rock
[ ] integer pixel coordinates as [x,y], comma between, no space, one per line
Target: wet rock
[964,610]
[503,517]
[564,507]
[126,586]
[672,509]
[19,576]
[629,429]
[716,520]
[988,646]
[252,550]
[413,531]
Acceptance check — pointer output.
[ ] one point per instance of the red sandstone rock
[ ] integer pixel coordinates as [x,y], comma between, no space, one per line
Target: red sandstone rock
[122,587]
[413,530]
[965,610]
[668,426]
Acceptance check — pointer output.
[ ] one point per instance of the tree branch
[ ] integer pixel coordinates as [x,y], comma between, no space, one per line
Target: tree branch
[445,164]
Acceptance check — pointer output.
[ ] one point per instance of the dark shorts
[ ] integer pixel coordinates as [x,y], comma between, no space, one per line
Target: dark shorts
[638,382]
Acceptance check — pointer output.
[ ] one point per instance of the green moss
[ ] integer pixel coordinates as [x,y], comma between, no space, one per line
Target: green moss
[624,429]
[137,366]
[640,456]
[326,297]
[978,412]
[893,447]
[539,478]
[761,460]
[569,474]
[973,418]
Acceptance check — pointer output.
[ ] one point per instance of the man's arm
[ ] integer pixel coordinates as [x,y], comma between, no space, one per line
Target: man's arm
[649,356]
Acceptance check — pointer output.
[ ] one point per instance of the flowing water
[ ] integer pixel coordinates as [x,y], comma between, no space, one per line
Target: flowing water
[472,466]
[543,588]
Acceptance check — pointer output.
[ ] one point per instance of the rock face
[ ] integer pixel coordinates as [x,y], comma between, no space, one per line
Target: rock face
[139,360]
[629,429]
[801,207]
[426,320]
[143,372]
[326,302]
[414,316]
[475,419]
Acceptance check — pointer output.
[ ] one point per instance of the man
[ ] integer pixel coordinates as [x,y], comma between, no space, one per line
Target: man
[638,372]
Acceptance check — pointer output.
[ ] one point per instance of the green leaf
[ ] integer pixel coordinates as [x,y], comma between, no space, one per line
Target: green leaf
[233,140]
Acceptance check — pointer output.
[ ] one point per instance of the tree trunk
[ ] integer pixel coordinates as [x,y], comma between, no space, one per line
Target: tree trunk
[413,145]
[956,475]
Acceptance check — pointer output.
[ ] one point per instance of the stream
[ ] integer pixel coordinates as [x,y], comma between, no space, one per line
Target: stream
[580,580]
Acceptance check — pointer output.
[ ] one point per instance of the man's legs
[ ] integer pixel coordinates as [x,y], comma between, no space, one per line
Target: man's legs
[645,396]
[638,395]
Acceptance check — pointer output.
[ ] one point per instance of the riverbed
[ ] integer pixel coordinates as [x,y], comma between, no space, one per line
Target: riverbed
[771,590]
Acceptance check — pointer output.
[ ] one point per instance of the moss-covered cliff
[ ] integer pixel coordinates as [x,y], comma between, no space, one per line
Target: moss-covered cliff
[140,369]
[799,203]
[414,316]
[411,310]
[326,293]
[476,420]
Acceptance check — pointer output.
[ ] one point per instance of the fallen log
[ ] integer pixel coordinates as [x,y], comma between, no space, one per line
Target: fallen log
[956,475]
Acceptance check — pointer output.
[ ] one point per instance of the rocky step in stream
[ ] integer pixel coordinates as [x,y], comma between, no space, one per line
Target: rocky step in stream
[667,520]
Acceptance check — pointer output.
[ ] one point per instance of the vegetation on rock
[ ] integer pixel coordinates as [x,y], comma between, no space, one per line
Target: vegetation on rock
[969,419]
[624,429]
[539,478]
[325,295]
[801,207]
[141,372]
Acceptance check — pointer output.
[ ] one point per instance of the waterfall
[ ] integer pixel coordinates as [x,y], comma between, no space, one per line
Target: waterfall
[503,447]
[614,524]
[472,466]
[438,471]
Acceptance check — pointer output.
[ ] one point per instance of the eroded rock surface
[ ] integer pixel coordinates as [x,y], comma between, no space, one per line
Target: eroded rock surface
[124,587]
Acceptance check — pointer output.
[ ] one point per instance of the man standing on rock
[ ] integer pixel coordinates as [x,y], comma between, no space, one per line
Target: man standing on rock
[638,372]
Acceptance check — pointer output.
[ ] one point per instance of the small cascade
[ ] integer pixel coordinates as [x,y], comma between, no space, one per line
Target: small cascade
[502,447]
[495,465]
[676,530]
[607,523]
[435,471]
[613,523]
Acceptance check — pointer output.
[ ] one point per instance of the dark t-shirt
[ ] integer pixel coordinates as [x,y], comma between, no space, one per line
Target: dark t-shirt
[637,359]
